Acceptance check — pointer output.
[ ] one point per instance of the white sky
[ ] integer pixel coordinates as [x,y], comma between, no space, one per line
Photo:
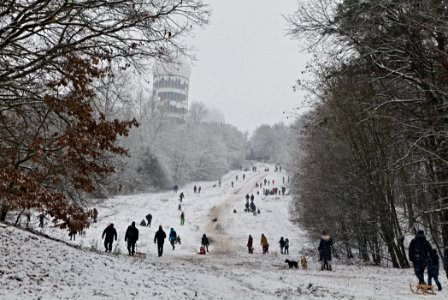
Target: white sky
[246,66]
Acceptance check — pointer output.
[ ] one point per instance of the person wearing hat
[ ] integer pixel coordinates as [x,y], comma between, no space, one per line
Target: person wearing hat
[419,252]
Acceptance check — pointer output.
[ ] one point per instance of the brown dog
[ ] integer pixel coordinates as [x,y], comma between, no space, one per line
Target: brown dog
[304,263]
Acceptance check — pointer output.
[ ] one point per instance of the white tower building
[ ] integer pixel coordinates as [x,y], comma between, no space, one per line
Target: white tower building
[170,88]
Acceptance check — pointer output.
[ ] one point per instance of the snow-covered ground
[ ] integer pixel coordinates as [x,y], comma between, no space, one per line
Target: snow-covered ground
[34,267]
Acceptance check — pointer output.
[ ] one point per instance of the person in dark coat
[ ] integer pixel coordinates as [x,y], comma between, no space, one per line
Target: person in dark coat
[247,197]
[110,234]
[199,190]
[195,188]
[325,249]
[172,237]
[252,197]
[148,219]
[286,251]
[250,244]
[433,269]
[159,238]
[95,215]
[181,196]
[445,260]
[176,188]
[143,223]
[252,206]
[204,241]
[419,252]
[282,244]
[131,237]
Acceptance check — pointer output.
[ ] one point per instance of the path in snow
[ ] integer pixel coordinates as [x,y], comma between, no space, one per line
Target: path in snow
[224,244]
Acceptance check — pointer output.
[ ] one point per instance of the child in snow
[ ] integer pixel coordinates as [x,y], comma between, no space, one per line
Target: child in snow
[204,241]
[433,269]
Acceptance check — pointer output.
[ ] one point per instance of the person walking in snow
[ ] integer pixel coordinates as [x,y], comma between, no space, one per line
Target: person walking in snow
[159,238]
[219,182]
[250,244]
[325,249]
[419,252]
[182,218]
[110,234]
[244,176]
[175,188]
[131,237]
[433,269]
[247,197]
[195,188]
[264,244]
[172,237]
[265,181]
[42,219]
[252,206]
[95,215]
[282,244]
[181,196]
[148,219]
[236,178]
[231,183]
[252,197]
[204,241]
[286,250]
[199,190]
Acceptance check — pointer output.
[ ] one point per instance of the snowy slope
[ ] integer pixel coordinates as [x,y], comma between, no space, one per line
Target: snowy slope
[38,268]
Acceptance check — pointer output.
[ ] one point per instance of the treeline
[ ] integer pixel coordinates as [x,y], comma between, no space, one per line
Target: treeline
[57,140]
[164,152]
[373,163]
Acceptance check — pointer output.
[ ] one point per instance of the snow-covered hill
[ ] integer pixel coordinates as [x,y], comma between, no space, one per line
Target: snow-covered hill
[34,267]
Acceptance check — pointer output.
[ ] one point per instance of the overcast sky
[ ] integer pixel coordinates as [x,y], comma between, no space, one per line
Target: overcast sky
[246,66]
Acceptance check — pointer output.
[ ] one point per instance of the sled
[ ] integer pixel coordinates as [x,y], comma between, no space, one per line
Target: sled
[140,255]
[422,289]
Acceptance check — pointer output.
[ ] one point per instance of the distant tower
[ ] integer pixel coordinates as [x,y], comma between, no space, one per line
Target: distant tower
[170,88]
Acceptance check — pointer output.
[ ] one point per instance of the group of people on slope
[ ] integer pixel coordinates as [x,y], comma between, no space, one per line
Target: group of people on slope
[132,235]
[284,245]
[422,255]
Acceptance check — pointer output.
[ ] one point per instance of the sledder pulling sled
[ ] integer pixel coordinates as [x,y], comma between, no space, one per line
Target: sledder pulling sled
[422,289]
